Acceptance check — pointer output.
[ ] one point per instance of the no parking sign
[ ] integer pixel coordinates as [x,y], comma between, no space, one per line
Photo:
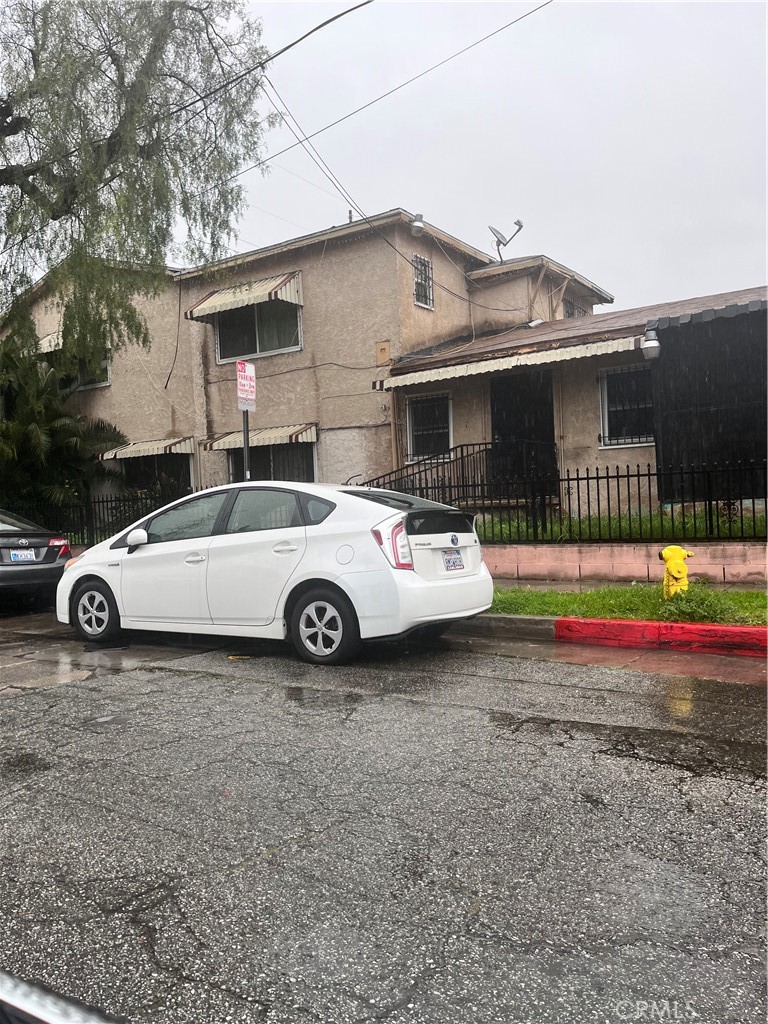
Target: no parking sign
[246,386]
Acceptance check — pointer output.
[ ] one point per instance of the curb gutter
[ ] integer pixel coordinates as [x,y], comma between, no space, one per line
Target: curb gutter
[701,638]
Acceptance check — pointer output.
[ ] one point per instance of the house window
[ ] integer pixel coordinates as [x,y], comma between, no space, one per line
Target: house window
[423,294]
[570,309]
[295,462]
[90,379]
[626,405]
[429,426]
[82,377]
[263,329]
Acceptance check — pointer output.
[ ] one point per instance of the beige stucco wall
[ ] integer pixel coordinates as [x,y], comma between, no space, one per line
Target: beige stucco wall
[576,400]
[501,303]
[351,302]
[450,317]
[357,294]
[470,409]
[137,400]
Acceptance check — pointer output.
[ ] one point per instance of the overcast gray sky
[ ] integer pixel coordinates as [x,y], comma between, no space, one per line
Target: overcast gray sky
[630,138]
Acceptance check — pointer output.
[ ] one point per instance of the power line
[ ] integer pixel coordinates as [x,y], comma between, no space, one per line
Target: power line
[268,60]
[228,83]
[269,158]
[325,169]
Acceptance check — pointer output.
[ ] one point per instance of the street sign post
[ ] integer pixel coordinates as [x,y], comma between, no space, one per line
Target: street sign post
[246,402]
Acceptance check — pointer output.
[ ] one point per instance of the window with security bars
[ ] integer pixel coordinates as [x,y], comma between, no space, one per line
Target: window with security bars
[423,293]
[429,426]
[626,400]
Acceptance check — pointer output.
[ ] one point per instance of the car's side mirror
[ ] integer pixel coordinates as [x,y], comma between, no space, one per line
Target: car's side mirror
[135,539]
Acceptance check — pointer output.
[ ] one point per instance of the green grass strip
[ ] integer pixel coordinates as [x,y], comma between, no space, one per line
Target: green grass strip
[701,603]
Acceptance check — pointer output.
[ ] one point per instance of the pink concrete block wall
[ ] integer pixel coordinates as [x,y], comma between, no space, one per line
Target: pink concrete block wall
[740,562]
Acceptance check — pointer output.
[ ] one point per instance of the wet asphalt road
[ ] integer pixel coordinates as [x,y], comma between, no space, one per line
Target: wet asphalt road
[429,836]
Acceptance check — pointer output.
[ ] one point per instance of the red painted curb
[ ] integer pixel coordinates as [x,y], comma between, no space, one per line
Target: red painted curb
[677,636]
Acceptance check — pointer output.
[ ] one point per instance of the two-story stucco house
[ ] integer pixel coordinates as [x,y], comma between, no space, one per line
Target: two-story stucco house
[321,318]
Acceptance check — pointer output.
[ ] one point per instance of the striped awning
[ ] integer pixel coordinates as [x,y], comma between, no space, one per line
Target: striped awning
[285,286]
[553,355]
[302,433]
[50,342]
[164,446]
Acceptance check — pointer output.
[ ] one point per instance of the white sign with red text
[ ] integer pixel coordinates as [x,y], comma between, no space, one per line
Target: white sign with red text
[246,387]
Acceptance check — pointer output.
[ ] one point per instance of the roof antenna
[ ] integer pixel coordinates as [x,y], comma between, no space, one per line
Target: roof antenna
[501,241]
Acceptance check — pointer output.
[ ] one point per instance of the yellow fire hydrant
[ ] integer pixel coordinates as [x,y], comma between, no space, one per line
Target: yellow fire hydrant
[675,569]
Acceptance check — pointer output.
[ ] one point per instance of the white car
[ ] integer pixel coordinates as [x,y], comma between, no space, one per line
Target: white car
[323,566]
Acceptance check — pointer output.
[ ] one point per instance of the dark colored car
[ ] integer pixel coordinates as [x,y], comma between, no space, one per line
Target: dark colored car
[22,1003]
[32,558]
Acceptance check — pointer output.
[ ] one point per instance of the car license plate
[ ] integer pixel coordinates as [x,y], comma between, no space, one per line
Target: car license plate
[22,556]
[452,559]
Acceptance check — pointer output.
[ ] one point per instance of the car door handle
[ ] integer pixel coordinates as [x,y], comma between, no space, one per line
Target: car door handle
[285,547]
[192,559]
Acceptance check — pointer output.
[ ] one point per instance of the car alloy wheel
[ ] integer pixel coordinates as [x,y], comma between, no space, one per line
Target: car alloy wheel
[324,628]
[96,615]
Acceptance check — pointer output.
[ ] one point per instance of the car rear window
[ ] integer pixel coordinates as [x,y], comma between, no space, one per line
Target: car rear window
[401,502]
[14,524]
[418,524]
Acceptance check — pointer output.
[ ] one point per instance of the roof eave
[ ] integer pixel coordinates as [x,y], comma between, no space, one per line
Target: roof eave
[530,263]
[338,232]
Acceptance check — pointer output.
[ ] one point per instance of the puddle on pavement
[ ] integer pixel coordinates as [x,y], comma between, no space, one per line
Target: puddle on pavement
[323,700]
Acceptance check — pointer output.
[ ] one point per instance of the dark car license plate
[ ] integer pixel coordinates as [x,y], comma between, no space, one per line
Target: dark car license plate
[22,556]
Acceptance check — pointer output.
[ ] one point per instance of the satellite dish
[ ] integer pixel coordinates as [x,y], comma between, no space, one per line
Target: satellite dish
[501,240]
[499,237]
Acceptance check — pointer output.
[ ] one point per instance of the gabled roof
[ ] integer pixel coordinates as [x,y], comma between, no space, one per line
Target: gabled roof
[525,264]
[340,232]
[578,331]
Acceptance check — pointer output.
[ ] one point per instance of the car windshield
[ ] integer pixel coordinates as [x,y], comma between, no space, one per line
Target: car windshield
[14,524]
[396,500]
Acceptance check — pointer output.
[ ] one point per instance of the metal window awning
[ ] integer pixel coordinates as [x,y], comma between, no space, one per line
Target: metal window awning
[555,355]
[302,433]
[50,342]
[284,286]
[164,446]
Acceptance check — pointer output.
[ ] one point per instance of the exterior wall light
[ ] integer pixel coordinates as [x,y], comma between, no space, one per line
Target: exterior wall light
[650,346]
[417,226]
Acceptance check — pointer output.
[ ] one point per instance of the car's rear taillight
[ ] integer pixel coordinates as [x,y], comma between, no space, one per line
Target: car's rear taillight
[393,541]
[62,544]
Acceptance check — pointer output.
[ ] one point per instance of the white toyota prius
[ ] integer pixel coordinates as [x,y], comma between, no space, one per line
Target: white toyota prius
[323,566]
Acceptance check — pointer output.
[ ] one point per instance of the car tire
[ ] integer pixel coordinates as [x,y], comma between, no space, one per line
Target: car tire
[324,628]
[94,613]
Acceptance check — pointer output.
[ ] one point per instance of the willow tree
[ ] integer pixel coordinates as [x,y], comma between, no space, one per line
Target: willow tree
[122,125]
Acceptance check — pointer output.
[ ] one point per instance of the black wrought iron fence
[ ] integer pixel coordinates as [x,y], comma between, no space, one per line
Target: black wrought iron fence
[85,523]
[471,470]
[716,502]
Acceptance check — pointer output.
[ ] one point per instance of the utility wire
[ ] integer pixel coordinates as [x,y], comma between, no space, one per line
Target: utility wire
[227,84]
[390,92]
[325,169]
